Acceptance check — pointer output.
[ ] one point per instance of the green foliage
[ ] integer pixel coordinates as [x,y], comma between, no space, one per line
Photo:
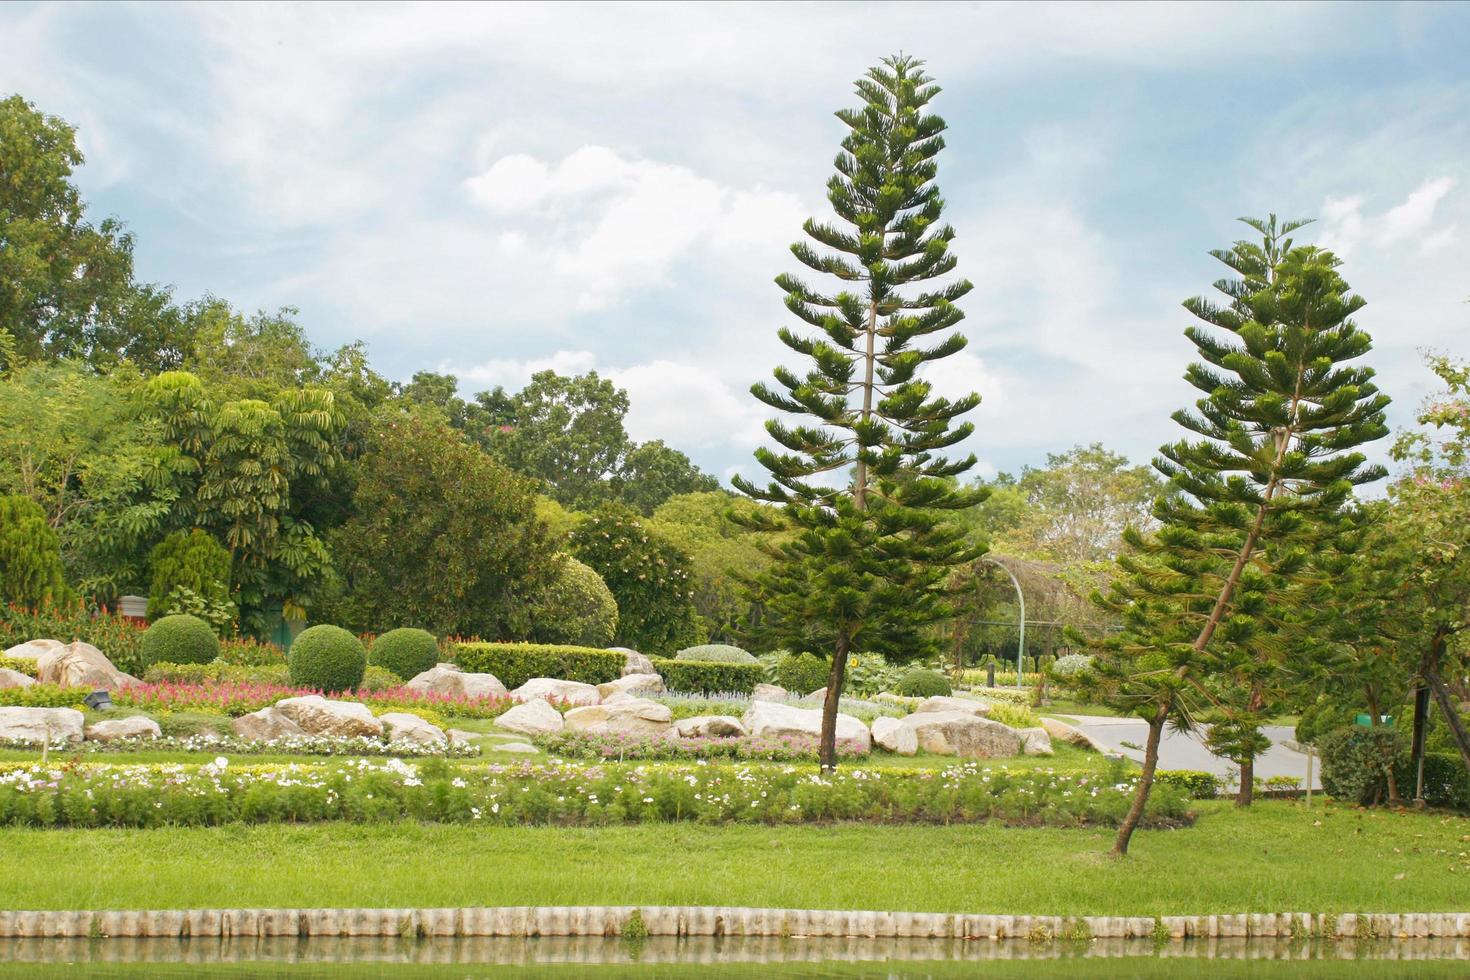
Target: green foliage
[218,672]
[443,535]
[1199,785]
[1446,781]
[1356,761]
[1014,715]
[709,677]
[871,673]
[651,473]
[43,696]
[802,672]
[405,652]
[179,639]
[923,683]
[249,652]
[327,658]
[648,577]
[20,664]
[219,614]
[576,609]
[118,637]
[30,556]
[1069,666]
[516,663]
[715,653]
[375,679]
[722,555]
[190,560]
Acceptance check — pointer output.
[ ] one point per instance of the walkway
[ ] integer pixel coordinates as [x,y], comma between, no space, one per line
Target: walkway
[1187,750]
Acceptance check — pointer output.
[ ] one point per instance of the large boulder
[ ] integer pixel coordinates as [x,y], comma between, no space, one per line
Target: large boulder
[963,733]
[38,726]
[80,665]
[768,692]
[403,727]
[535,717]
[112,729]
[342,719]
[1035,741]
[633,684]
[633,661]
[517,748]
[266,725]
[449,680]
[895,736]
[551,689]
[33,649]
[14,678]
[772,718]
[966,705]
[1060,731]
[635,716]
[709,726]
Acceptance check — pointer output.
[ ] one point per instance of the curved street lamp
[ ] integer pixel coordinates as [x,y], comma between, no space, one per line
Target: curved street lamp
[1020,598]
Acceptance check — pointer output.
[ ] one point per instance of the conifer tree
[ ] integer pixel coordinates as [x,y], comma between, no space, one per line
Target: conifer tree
[1282,414]
[30,555]
[860,474]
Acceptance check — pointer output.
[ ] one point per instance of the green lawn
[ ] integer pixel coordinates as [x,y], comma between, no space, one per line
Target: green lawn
[1279,856]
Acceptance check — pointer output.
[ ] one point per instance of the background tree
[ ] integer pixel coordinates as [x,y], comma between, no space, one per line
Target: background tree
[568,433]
[868,559]
[651,473]
[576,608]
[30,557]
[189,560]
[1281,416]
[443,536]
[648,577]
[723,554]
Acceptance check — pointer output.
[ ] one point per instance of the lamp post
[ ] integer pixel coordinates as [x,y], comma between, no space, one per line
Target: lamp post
[1020,598]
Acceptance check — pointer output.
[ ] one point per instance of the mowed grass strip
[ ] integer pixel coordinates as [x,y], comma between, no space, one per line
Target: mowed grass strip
[1277,856]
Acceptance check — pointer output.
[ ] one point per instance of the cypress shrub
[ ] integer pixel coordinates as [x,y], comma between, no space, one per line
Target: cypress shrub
[190,560]
[30,555]
[921,683]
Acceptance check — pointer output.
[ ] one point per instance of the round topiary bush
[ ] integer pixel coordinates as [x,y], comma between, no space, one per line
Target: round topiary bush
[802,672]
[1068,667]
[715,653]
[575,609]
[327,658]
[406,651]
[921,683]
[179,639]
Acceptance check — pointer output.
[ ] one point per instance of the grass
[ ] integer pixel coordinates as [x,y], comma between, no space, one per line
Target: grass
[1278,856]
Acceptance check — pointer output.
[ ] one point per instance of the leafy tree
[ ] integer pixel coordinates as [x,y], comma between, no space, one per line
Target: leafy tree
[189,560]
[576,609]
[868,560]
[651,473]
[443,535]
[723,556]
[30,557]
[647,576]
[1278,426]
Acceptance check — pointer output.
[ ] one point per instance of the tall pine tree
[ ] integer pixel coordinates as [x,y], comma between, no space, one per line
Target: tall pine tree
[1282,414]
[862,480]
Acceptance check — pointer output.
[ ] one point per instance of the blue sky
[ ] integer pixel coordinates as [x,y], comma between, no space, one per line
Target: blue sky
[493,189]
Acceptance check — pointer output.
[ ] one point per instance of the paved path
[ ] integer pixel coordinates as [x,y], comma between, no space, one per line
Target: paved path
[1187,751]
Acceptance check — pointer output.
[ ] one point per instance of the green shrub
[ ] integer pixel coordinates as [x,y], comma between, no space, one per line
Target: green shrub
[1200,785]
[923,683]
[715,653]
[1356,761]
[217,672]
[576,609]
[43,696]
[379,679]
[406,652]
[21,664]
[1446,781]
[516,663]
[30,555]
[180,640]
[1014,715]
[709,677]
[327,658]
[247,652]
[1068,667]
[802,672]
[192,561]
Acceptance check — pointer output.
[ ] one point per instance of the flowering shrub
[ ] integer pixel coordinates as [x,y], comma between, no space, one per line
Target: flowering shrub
[118,637]
[235,699]
[357,745]
[772,748]
[93,795]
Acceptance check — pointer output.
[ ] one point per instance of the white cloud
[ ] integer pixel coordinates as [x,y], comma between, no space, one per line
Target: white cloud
[1416,213]
[1345,227]
[514,375]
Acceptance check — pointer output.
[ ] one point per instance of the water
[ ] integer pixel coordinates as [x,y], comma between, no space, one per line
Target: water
[732,958]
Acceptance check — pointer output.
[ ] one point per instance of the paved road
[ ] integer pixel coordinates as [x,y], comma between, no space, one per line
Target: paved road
[1187,751]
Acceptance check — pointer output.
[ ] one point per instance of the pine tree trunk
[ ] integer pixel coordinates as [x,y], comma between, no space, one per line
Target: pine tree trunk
[1145,783]
[1247,792]
[828,750]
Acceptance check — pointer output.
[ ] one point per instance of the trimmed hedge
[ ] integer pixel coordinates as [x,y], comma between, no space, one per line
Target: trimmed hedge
[701,677]
[1199,785]
[715,653]
[405,651]
[44,696]
[1446,782]
[327,658]
[180,639]
[515,663]
[921,683]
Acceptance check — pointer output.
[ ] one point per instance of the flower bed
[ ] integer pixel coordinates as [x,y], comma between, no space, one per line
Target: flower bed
[328,745]
[235,699]
[770,748]
[89,795]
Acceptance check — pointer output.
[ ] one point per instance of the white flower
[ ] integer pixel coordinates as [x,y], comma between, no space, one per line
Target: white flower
[220,762]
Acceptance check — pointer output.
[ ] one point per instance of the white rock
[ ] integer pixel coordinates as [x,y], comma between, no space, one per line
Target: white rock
[709,726]
[965,734]
[633,661]
[266,725]
[768,692]
[634,684]
[113,729]
[571,692]
[634,716]
[33,649]
[80,665]
[954,704]
[772,718]
[895,736]
[1035,741]
[520,748]
[458,736]
[14,678]
[405,727]
[535,717]
[1062,732]
[449,680]
[318,716]
[40,725]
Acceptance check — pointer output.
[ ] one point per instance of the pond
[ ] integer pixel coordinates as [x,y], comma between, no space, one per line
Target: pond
[733,958]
